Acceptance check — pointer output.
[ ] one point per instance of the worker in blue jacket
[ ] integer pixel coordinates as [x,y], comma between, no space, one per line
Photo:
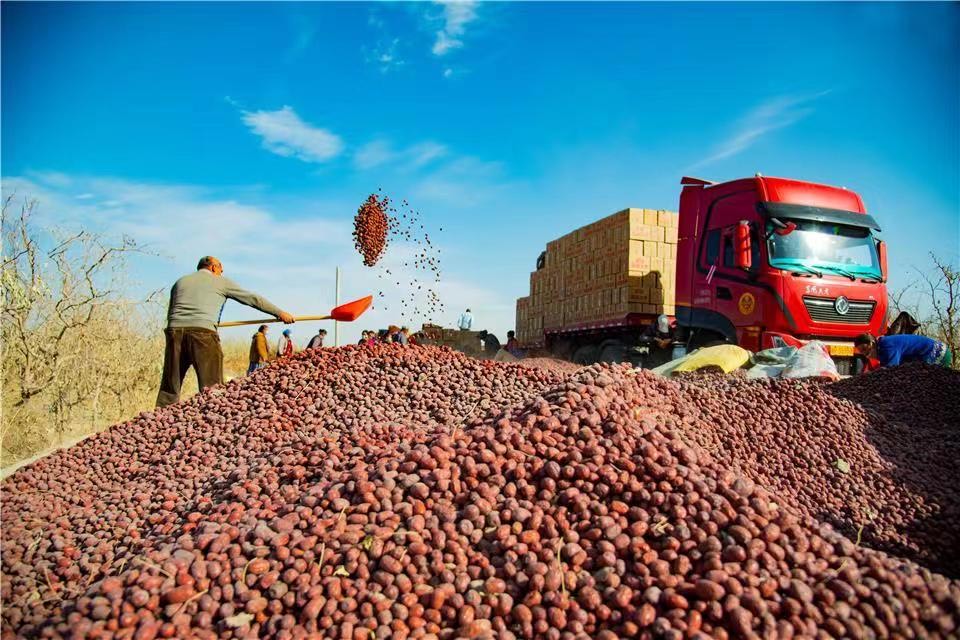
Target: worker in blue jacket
[898,349]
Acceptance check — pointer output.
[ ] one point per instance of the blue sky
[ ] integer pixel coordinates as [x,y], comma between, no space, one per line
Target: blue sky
[253,131]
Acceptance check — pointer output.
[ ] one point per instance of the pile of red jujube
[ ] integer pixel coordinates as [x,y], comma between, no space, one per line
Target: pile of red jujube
[394,492]
[914,394]
[874,455]
[371,228]
[550,364]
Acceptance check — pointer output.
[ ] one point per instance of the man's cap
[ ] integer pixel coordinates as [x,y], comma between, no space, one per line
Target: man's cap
[287,332]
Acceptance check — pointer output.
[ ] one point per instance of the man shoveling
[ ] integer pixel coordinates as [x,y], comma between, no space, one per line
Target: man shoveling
[196,301]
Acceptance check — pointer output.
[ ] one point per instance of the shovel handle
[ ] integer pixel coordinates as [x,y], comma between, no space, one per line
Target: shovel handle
[240,323]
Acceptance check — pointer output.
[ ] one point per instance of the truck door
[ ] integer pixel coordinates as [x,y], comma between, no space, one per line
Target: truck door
[708,324]
[734,297]
[736,293]
[709,263]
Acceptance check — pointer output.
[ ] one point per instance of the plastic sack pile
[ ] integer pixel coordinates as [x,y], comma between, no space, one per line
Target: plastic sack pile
[810,361]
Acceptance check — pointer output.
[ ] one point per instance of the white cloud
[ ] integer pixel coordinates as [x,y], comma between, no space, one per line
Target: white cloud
[175,219]
[302,37]
[445,43]
[776,113]
[283,132]
[289,254]
[56,178]
[445,20]
[465,181]
[425,152]
[384,54]
[380,152]
[373,154]
[457,14]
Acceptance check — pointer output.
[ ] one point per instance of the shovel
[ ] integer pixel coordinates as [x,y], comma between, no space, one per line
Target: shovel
[344,313]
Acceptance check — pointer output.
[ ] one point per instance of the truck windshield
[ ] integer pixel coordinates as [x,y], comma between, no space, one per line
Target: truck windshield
[824,246]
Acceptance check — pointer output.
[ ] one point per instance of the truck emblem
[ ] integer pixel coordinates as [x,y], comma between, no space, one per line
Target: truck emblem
[841,305]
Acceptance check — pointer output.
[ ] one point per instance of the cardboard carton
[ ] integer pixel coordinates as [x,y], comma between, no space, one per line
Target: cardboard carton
[619,265]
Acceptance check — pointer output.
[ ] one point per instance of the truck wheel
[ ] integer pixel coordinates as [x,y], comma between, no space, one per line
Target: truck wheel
[586,354]
[562,349]
[613,351]
[704,338]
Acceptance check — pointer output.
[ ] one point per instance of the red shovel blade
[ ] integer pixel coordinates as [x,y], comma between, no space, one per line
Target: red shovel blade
[351,310]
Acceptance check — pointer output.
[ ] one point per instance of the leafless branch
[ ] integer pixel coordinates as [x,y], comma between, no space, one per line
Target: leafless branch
[67,328]
[940,290]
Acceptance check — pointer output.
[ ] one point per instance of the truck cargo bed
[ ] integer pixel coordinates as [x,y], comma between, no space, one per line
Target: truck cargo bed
[616,272]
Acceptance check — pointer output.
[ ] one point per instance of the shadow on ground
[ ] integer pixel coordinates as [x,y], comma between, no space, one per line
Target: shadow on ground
[914,424]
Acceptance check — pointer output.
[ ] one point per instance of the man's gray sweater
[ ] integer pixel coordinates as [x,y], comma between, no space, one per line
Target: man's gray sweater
[197,299]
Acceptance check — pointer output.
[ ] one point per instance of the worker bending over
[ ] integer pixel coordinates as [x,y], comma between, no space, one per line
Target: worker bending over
[490,343]
[660,336]
[316,342]
[898,349]
[196,302]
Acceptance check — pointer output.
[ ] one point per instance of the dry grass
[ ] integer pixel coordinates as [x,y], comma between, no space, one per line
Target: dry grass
[28,432]
[236,358]
[78,352]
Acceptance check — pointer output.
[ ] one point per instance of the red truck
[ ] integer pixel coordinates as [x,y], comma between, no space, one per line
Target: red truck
[761,262]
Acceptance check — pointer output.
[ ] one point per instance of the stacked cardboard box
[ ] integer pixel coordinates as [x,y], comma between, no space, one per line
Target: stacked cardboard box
[622,264]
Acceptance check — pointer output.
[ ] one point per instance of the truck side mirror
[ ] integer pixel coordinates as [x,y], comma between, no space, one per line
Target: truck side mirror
[780,228]
[786,229]
[882,252]
[742,257]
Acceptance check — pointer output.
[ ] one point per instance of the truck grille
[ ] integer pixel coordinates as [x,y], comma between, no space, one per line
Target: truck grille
[823,310]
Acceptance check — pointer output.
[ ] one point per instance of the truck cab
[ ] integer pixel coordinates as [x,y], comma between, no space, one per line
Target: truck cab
[765,262]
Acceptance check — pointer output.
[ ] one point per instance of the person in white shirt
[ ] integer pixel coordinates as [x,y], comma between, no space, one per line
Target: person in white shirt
[285,345]
[466,321]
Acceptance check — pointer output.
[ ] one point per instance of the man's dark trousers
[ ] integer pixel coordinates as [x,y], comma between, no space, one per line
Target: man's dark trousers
[186,347]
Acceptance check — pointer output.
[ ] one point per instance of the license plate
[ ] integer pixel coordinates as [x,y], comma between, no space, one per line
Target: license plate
[841,350]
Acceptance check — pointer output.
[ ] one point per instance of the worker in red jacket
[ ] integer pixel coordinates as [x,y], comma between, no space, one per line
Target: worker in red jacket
[285,345]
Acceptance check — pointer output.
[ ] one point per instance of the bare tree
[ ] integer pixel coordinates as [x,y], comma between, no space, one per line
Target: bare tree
[933,299]
[942,292]
[72,342]
[899,300]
